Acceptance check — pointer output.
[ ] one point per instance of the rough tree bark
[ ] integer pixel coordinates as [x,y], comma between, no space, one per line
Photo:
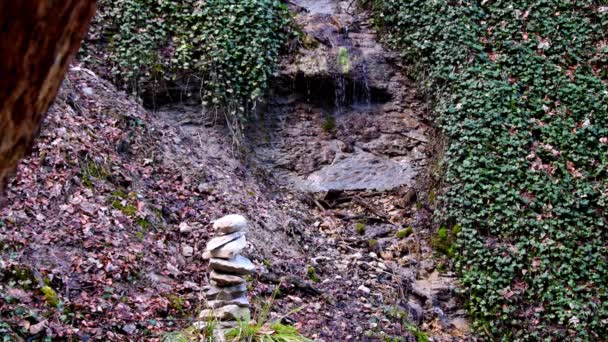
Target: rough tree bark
[37,41]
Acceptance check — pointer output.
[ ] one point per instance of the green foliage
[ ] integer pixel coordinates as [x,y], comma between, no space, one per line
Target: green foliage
[177,303]
[445,241]
[273,332]
[91,171]
[311,272]
[403,233]
[264,330]
[360,228]
[50,296]
[420,335]
[226,48]
[399,313]
[372,244]
[329,124]
[127,208]
[520,91]
[344,60]
[127,204]
[190,334]
[176,337]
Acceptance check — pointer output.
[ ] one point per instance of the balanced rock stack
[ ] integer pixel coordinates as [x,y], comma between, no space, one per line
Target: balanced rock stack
[226,295]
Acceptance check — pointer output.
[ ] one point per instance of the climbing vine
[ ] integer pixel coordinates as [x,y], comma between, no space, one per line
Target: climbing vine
[225,49]
[520,92]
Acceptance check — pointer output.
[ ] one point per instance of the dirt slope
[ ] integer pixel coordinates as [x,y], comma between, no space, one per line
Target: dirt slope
[96,214]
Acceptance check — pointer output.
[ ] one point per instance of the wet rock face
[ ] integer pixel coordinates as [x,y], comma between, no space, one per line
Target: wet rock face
[341,118]
[346,126]
[317,6]
[341,62]
[360,171]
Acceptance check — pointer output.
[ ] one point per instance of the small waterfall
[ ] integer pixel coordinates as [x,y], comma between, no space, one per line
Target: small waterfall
[308,91]
[339,92]
[367,94]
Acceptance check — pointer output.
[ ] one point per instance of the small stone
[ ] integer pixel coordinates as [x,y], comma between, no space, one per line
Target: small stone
[364,289]
[205,188]
[240,301]
[236,265]
[230,224]
[37,328]
[129,328]
[228,251]
[88,91]
[226,313]
[225,293]
[185,228]
[173,270]
[460,323]
[415,312]
[226,279]
[191,285]
[220,241]
[187,251]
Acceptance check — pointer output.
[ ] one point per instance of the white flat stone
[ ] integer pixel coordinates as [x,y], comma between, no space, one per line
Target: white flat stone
[230,224]
[220,241]
[237,265]
[187,251]
[226,313]
[227,251]
[185,228]
[226,279]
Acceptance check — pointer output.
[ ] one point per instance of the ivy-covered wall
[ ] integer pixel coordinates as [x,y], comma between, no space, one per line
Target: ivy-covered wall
[222,50]
[521,94]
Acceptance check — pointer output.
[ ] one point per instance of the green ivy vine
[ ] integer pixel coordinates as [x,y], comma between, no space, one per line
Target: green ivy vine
[225,49]
[521,93]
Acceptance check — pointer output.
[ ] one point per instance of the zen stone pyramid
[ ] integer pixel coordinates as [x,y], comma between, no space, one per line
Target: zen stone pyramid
[226,294]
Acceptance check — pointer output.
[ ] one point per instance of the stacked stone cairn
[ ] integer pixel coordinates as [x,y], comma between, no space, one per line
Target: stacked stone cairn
[226,294]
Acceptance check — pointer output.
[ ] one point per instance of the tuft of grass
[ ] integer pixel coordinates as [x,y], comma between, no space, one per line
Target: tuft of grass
[91,170]
[265,330]
[269,332]
[403,233]
[176,337]
[194,333]
[420,335]
[177,302]
[259,329]
[445,241]
[120,194]
[311,272]
[360,228]
[50,296]
[372,243]
[329,124]
[127,208]
[308,41]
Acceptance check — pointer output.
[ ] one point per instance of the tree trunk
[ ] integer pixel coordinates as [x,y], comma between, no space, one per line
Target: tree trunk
[37,41]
